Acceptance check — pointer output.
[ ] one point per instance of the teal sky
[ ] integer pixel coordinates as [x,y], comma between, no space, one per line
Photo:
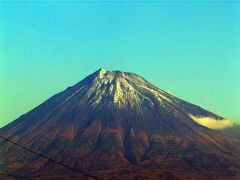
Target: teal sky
[191,49]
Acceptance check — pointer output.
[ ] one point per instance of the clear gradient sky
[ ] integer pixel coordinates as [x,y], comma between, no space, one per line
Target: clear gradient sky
[191,49]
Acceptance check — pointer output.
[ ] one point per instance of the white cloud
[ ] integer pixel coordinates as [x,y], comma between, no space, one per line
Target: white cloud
[213,123]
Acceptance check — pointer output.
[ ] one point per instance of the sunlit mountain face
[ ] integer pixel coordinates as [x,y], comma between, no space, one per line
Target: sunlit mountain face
[117,125]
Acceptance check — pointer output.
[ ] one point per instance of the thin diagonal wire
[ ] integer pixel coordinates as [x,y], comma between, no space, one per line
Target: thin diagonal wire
[15,176]
[50,159]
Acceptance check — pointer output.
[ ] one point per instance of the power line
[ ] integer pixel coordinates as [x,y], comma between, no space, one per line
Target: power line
[15,176]
[50,159]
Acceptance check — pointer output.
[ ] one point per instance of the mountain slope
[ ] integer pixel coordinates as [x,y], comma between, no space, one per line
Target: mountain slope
[113,120]
[233,131]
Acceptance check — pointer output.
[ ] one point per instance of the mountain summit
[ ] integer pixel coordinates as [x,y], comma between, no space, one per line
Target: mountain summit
[118,125]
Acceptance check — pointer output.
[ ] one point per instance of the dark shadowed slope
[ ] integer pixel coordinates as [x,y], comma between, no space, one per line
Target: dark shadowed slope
[117,124]
[233,131]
